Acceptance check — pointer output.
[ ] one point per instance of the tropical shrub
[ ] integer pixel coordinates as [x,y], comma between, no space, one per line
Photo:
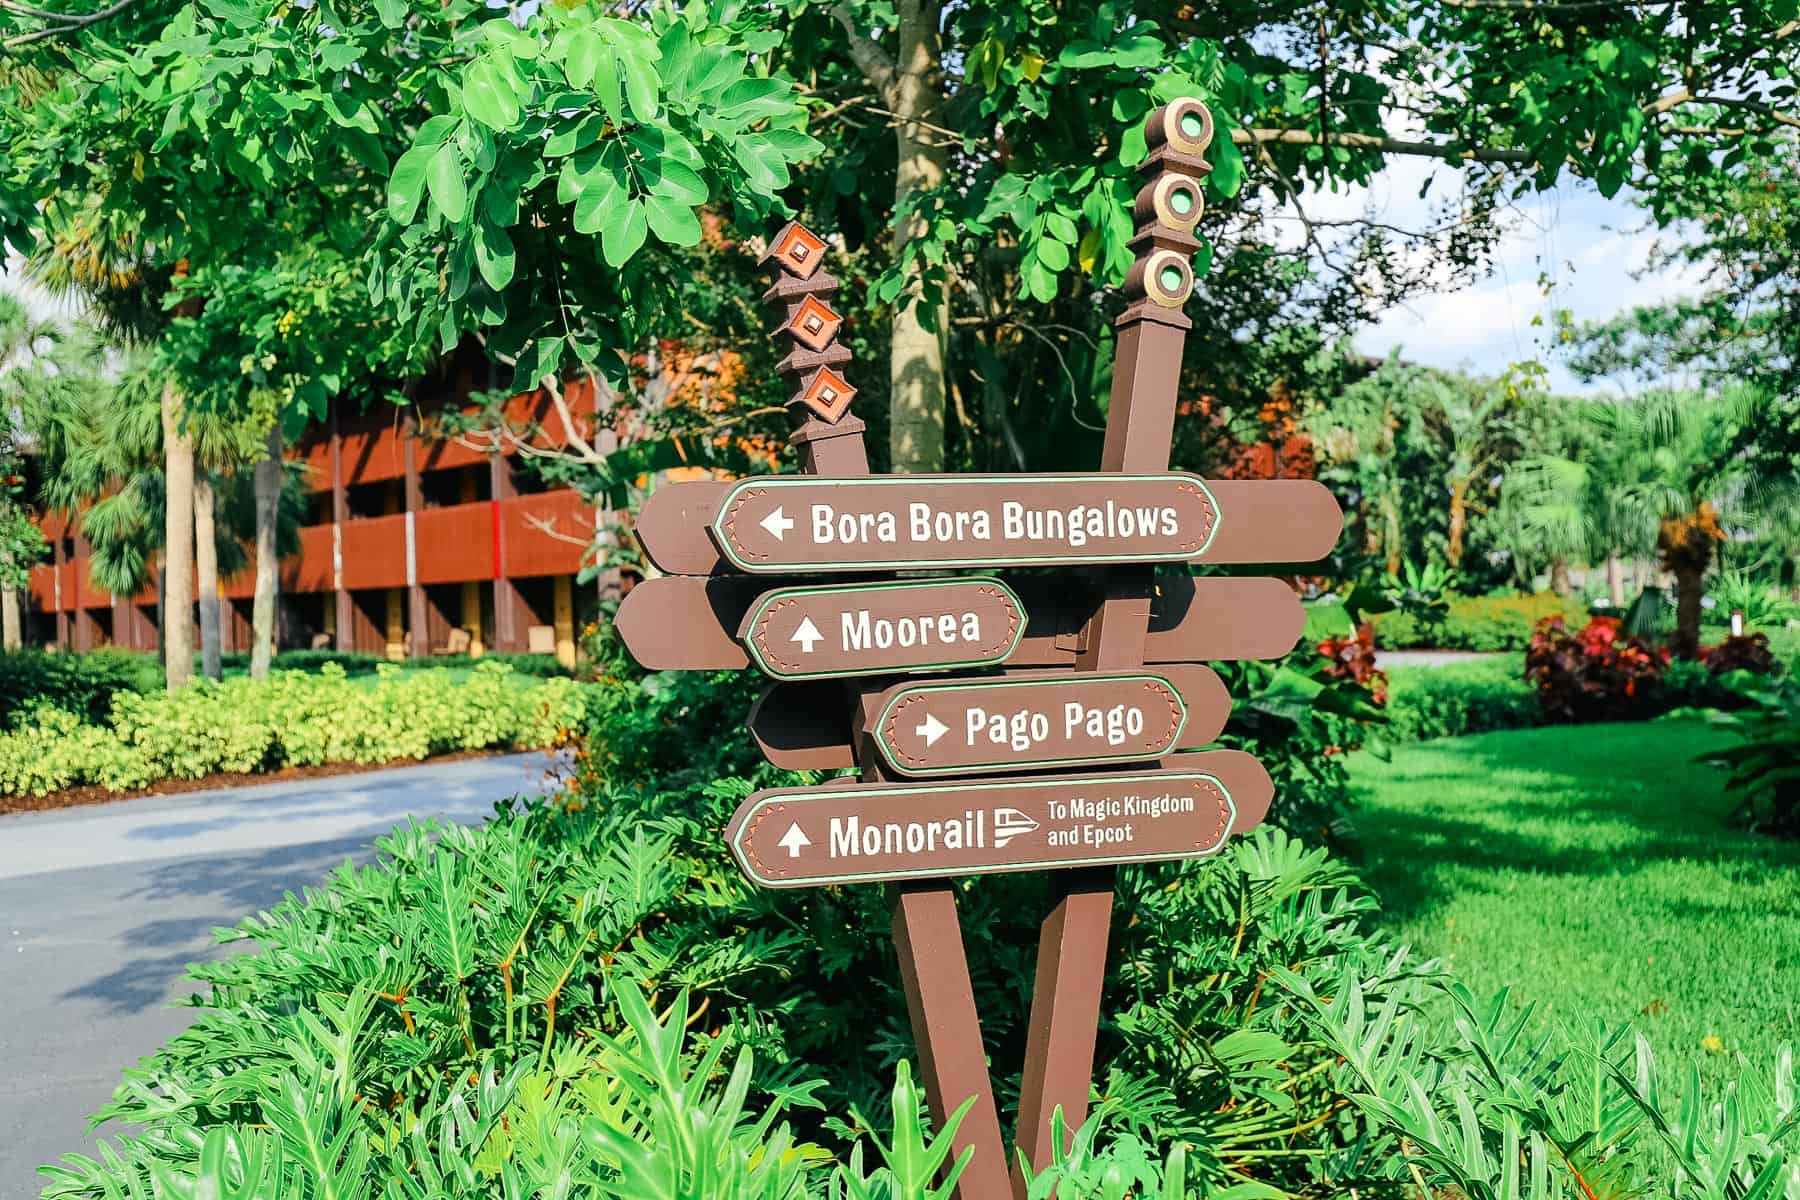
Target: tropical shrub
[1479,696]
[1352,657]
[82,685]
[1475,623]
[1765,764]
[293,718]
[1744,652]
[1598,673]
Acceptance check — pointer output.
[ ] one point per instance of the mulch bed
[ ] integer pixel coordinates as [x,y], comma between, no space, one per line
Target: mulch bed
[94,794]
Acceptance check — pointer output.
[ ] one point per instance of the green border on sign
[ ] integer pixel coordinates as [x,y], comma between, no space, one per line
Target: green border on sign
[1022,683]
[737,841]
[768,598]
[1074,558]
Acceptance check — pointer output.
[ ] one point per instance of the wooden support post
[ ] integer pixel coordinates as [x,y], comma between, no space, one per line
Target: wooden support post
[1072,943]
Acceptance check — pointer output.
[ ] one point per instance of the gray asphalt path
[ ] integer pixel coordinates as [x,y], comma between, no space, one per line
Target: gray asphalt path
[102,907]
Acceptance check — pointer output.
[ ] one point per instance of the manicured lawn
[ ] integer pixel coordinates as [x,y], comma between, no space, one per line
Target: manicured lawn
[1591,870]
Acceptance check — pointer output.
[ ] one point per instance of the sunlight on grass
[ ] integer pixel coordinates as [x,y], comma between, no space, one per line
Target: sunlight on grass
[1590,867]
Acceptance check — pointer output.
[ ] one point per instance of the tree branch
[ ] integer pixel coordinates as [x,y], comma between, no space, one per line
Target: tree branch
[868,56]
[61,22]
[1387,145]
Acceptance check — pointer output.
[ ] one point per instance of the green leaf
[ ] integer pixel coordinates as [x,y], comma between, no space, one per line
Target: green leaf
[623,234]
[407,184]
[391,12]
[585,50]
[444,180]
[671,220]
[488,95]
[494,256]
[678,182]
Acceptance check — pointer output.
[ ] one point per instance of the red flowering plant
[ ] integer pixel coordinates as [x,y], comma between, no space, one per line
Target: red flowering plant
[1352,658]
[1597,673]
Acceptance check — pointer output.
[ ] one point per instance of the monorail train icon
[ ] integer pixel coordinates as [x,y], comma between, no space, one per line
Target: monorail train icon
[1010,823]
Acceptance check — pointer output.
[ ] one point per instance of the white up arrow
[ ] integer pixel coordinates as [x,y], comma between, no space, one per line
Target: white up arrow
[794,840]
[807,635]
[777,523]
[931,729]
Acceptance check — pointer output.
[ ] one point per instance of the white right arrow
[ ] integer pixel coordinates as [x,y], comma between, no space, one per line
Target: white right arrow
[931,729]
[807,635]
[777,523]
[794,840]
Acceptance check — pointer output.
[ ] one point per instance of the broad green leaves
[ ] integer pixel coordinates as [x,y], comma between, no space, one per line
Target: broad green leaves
[568,147]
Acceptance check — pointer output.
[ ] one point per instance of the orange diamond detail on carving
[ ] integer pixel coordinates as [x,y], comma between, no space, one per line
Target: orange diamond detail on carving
[798,250]
[814,323]
[828,394]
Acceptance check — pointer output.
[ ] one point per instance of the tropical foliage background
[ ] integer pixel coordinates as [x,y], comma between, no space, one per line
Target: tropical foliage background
[261,209]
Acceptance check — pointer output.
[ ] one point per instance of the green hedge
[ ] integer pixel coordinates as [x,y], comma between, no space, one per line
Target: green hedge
[293,718]
[1484,623]
[1459,698]
[541,665]
[82,685]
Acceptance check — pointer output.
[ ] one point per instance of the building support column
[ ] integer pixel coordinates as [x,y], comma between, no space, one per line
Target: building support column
[344,622]
[58,558]
[418,628]
[469,493]
[509,606]
[563,598]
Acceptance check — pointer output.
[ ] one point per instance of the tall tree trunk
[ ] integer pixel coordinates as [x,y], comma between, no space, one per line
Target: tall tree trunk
[1615,581]
[206,576]
[178,544]
[268,509]
[1459,522]
[916,359]
[1689,588]
[1559,576]
[12,629]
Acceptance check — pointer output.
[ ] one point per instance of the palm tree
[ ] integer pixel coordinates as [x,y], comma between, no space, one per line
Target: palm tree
[1661,470]
[24,340]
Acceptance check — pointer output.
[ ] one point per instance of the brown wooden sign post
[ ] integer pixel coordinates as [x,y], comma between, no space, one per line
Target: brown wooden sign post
[971,774]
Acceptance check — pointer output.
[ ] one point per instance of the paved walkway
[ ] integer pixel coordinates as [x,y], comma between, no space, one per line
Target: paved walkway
[1388,659]
[102,907]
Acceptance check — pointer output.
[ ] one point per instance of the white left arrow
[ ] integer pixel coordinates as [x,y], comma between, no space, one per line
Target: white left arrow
[794,840]
[807,635]
[931,729]
[777,523]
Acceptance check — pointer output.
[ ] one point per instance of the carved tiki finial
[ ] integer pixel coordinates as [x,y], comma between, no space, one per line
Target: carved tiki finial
[1168,207]
[801,297]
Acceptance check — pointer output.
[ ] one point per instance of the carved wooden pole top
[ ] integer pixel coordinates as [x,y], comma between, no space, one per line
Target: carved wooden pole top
[1169,206]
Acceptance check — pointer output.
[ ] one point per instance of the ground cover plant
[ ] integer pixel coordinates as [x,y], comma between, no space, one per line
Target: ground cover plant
[292,718]
[582,996]
[1593,870]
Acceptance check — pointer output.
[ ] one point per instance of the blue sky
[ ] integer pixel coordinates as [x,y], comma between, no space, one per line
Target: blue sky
[1568,248]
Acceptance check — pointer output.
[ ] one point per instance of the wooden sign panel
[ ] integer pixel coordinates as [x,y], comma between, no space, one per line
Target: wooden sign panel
[959,727]
[691,623]
[810,837]
[877,628]
[802,725]
[781,523]
[882,522]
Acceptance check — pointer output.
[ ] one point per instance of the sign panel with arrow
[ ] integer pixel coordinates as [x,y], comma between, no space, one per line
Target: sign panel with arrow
[810,837]
[1048,720]
[780,523]
[871,628]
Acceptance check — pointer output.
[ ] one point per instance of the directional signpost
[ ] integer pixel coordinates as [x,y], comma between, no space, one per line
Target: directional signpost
[1065,756]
